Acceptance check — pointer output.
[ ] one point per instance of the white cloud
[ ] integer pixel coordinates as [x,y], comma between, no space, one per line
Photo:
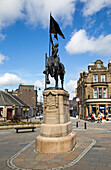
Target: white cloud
[2,36]
[38,11]
[71,88]
[2,58]
[93,6]
[81,43]
[10,11]
[40,83]
[10,80]
[35,11]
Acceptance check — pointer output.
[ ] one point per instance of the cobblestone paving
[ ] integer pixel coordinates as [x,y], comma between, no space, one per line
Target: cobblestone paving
[97,157]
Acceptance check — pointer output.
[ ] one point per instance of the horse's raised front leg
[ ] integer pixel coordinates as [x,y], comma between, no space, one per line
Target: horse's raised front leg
[47,79]
[47,75]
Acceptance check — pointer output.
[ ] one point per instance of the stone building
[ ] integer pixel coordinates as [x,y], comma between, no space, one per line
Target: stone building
[75,106]
[71,107]
[10,106]
[94,89]
[28,95]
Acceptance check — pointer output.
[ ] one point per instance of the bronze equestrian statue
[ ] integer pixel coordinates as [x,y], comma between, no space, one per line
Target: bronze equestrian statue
[54,67]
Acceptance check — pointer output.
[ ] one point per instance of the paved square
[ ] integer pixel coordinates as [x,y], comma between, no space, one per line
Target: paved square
[22,145]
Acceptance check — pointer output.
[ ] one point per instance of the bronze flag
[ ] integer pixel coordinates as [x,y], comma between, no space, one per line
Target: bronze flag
[54,28]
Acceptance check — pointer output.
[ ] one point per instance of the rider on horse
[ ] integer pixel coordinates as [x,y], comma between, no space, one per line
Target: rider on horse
[53,60]
[54,67]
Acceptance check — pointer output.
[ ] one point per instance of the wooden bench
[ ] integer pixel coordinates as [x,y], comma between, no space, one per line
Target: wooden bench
[22,128]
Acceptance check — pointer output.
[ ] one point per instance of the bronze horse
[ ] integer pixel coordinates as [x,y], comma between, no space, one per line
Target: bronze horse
[55,68]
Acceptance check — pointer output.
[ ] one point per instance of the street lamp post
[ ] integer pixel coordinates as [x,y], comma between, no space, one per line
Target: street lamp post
[37,89]
[77,100]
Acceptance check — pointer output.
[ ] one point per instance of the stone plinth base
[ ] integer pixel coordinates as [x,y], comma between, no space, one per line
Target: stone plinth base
[56,130]
[54,144]
[56,134]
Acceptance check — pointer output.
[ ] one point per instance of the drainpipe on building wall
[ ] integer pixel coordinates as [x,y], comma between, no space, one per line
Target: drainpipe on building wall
[82,103]
[83,111]
[79,114]
[77,100]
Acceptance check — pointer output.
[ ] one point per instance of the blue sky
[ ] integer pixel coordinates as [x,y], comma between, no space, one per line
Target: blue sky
[24,39]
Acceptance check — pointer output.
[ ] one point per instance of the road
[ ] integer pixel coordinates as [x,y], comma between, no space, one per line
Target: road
[97,157]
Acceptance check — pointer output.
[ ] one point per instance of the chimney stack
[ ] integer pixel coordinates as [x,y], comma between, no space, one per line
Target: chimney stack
[6,90]
[109,65]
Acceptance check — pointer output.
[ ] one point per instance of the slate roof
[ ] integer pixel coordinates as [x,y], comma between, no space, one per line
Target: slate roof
[8,100]
[19,100]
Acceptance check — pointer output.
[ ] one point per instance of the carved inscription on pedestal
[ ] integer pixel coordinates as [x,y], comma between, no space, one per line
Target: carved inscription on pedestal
[51,101]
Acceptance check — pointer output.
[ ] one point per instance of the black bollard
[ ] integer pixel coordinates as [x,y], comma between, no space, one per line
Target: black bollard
[85,127]
[77,124]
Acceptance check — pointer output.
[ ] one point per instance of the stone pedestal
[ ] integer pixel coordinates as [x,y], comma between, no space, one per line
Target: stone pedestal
[56,134]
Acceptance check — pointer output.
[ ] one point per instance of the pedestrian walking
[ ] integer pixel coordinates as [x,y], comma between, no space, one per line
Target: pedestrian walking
[101,117]
[92,118]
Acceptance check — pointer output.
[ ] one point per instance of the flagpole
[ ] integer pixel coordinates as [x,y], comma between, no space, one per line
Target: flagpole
[49,36]
[49,45]
[45,69]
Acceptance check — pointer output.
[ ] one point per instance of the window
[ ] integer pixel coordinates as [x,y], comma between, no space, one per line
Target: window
[98,65]
[1,112]
[95,92]
[95,78]
[100,92]
[104,93]
[89,68]
[102,78]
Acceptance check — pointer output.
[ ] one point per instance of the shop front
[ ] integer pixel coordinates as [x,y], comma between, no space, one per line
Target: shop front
[10,112]
[10,106]
[94,109]
[109,110]
[1,111]
[25,112]
[102,109]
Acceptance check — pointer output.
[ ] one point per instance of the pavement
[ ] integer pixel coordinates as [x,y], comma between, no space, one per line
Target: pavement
[91,152]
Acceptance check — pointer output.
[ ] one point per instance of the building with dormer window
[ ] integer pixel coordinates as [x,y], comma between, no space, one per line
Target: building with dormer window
[94,89]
